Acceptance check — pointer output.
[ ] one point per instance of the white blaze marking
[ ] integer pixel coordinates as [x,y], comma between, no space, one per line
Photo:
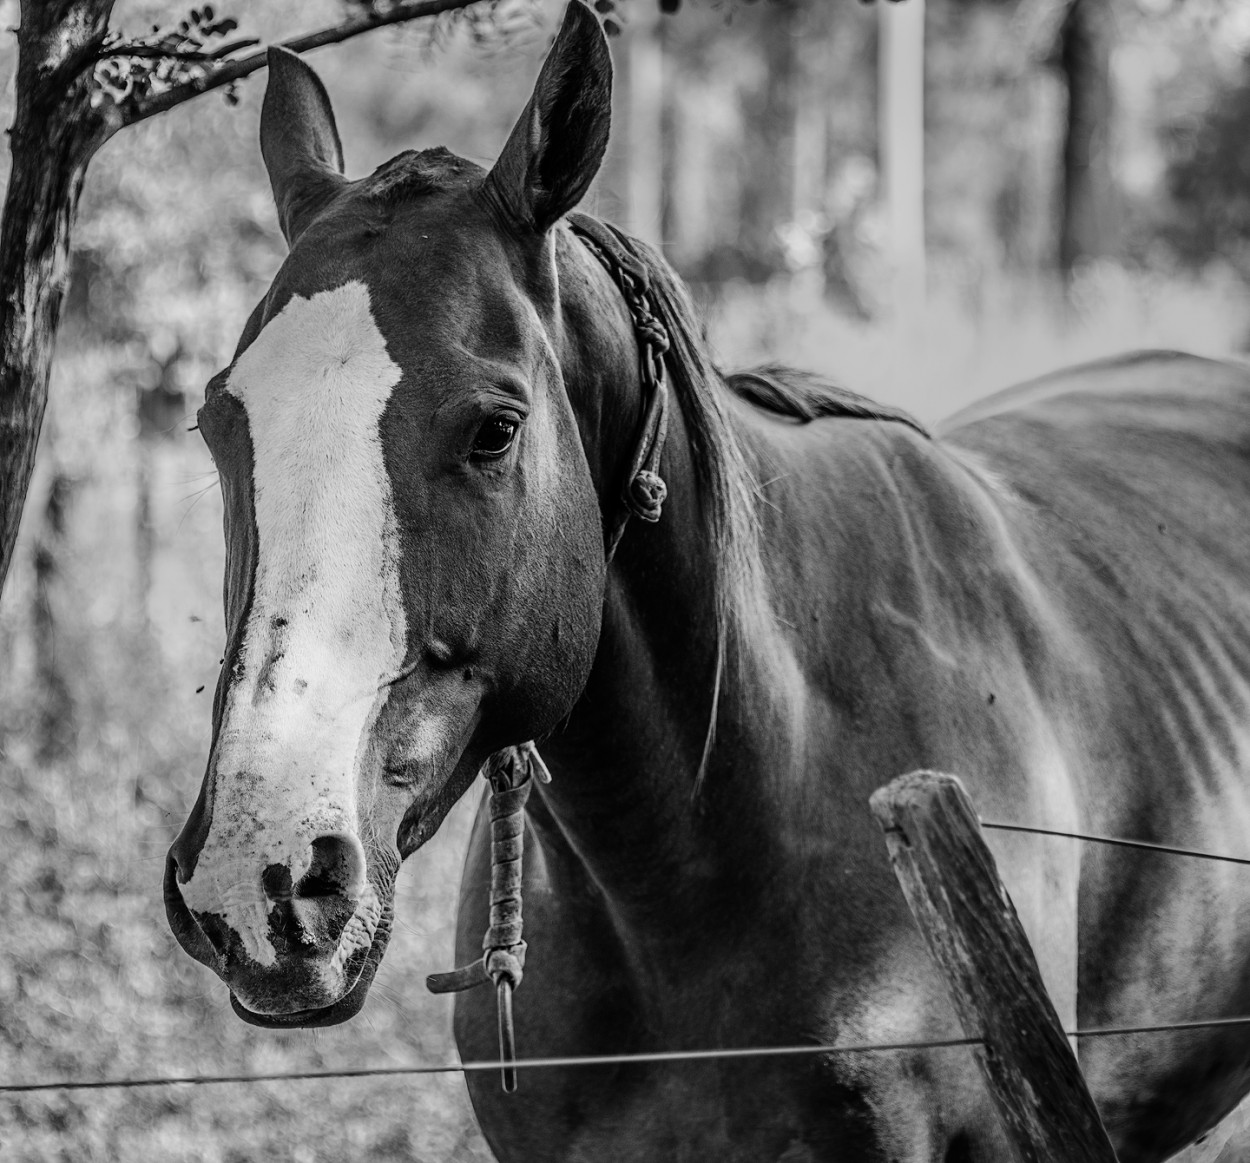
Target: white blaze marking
[326,625]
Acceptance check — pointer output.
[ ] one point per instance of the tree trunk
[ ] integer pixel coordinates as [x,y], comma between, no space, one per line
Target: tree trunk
[55,132]
[1087,217]
[55,723]
[810,109]
[767,173]
[690,210]
[645,132]
[901,127]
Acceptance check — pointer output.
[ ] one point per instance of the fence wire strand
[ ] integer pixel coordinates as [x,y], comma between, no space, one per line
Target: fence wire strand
[583,1060]
[520,1063]
[661,1056]
[1116,841]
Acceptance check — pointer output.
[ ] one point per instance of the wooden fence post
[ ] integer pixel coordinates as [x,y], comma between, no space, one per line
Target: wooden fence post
[951,883]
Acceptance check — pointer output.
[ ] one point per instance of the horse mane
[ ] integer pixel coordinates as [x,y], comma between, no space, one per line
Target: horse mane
[728,488]
[805,397]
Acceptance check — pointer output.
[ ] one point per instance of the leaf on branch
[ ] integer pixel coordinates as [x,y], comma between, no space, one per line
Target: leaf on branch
[616,17]
[129,71]
[492,25]
[503,25]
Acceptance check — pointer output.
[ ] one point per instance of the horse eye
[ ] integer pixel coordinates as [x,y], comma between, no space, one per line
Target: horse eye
[495,437]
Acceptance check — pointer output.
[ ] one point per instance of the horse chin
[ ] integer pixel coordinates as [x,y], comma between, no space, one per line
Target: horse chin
[345,1008]
[348,1006]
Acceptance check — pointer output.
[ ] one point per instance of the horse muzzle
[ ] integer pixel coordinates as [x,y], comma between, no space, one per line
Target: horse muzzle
[292,953]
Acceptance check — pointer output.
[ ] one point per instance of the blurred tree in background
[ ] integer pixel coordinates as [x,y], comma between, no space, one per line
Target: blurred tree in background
[746,143]
[1207,211]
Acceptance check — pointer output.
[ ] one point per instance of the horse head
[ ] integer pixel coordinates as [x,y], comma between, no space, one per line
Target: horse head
[414,531]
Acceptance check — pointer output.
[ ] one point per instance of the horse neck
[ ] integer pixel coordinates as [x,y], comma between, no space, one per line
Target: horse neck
[628,761]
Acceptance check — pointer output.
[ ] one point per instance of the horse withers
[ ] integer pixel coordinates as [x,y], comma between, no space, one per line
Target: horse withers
[423,440]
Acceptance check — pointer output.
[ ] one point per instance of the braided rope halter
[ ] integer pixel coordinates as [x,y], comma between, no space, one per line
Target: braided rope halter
[512,770]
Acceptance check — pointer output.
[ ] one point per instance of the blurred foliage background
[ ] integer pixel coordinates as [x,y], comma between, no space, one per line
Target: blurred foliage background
[747,145]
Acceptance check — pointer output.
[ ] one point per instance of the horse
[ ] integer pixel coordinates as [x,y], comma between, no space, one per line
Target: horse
[429,442]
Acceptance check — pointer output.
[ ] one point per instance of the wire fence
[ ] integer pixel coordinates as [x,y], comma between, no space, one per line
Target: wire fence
[572,1061]
[1117,841]
[665,1056]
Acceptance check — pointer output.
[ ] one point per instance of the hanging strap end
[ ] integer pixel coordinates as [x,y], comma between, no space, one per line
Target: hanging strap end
[458,980]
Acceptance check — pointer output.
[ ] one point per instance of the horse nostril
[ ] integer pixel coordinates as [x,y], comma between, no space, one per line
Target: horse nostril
[337,868]
[276,882]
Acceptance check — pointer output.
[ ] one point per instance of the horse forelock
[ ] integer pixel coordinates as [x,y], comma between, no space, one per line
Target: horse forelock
[411,174]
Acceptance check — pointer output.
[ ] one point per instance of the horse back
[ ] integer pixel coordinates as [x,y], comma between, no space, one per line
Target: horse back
[1124,487]
[1127,487]
[1051,599]
[1088,533]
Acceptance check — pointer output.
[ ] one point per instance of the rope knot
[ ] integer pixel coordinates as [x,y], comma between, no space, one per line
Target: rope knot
[642,492]
[646,495]
[653,332]
[506,964]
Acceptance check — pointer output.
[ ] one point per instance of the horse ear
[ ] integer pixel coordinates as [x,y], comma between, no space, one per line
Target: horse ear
[299,142]
[557,145]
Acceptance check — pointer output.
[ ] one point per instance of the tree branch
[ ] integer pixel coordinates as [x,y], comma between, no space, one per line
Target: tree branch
[235,70]
[155,52]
